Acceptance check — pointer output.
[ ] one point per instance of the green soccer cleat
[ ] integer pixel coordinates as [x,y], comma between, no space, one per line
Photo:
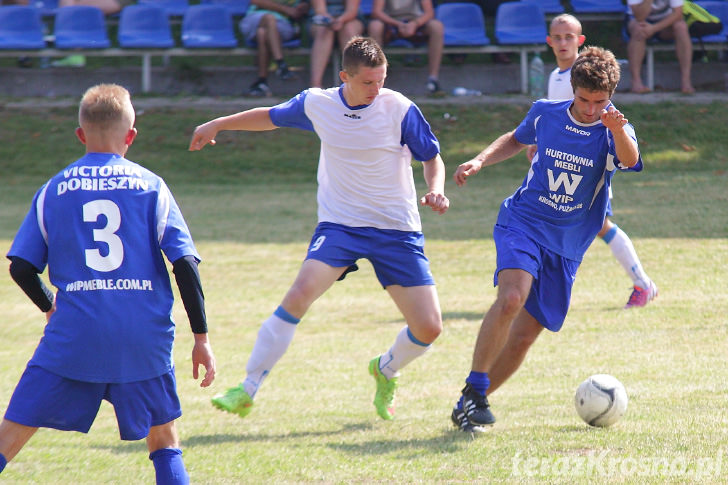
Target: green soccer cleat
[384,398]
[235,400]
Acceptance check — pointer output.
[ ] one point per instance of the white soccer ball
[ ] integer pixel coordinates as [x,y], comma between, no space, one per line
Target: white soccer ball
[601,400]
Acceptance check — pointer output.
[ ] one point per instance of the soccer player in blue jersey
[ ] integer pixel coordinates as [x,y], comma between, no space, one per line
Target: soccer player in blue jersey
[367,208]
[102,225]
[565,38]
[544,228]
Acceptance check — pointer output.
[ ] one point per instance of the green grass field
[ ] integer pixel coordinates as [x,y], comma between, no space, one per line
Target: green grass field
[250,203]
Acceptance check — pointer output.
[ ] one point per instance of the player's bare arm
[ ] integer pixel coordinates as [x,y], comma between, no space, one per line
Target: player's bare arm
[434,170]
[202,355]
[626,148]
[503,148]
[256,119]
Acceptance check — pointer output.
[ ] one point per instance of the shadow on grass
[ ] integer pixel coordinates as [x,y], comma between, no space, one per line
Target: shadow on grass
[258,437]
[450,441]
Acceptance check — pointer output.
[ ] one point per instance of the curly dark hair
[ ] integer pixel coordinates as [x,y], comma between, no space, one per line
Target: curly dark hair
[595,69]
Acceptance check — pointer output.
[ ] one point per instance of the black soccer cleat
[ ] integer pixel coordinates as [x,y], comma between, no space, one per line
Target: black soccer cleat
[476,407]
[460,420]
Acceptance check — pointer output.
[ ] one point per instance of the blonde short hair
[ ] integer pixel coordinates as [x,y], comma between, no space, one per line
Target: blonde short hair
[565,18]
[106,106]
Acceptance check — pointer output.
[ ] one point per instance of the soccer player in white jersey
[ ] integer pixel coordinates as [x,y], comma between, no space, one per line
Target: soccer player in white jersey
[565,38]
[101,226]
[367,208]
[544,228]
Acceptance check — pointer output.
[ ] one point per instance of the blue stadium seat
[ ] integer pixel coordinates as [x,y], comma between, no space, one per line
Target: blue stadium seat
[47,7]
[464,23]
[237,7]
[208,26]
[174,8]
[21,28]
[520,23]
[80,27]
[720,10]
[598,6]
[144,26]
[548,6]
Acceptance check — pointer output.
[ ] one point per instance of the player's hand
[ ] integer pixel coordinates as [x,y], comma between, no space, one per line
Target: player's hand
[437,201]
[50,312]
[465,170]
[203,135]
[202,355]
[613,119]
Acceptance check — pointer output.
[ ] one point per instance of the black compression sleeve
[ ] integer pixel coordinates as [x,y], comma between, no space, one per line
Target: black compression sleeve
[26,276]
[190,289]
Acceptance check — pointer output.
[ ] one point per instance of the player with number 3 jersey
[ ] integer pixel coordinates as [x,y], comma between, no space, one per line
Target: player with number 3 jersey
[102,226]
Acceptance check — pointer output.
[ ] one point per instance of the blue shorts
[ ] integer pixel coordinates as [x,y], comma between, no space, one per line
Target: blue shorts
[43,399]
[398,257]
[553,275]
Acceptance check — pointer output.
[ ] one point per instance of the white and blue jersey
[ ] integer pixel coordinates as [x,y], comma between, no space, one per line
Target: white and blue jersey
[101,225]
[364,173]
[562,201]
[560,85]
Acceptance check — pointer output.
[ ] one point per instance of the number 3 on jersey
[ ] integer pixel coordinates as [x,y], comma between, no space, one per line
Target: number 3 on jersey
[107,234]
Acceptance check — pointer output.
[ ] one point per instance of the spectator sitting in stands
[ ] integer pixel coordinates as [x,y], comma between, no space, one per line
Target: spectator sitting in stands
[413,20]
[661,19]
[333,20]
[108,7]
[269,23]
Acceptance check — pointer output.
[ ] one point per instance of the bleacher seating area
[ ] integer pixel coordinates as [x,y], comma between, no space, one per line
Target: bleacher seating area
[208,27]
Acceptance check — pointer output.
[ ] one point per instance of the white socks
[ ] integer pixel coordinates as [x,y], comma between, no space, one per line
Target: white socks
[273,339]
[406,348]
[624,252]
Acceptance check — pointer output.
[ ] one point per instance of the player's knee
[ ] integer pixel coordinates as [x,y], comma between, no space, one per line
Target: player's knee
[510,301]
[428,329]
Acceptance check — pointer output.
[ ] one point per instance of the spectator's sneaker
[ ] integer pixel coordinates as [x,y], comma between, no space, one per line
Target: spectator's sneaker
[476,407]
[259,89]
[433,86]
[285,73]
[384,398]
[235,400]
[641,297]
[75,60]
[461,421]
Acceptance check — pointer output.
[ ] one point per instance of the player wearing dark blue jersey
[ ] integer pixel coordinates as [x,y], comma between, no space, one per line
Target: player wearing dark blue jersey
[546,225]
[102,226]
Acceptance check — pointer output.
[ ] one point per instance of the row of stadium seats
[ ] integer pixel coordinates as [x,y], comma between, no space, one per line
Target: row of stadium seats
[520,26]
[211,26]
[239,7]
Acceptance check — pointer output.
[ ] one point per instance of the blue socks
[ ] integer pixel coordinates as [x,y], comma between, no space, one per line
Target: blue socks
[3,462]
[169,467]
[478,381]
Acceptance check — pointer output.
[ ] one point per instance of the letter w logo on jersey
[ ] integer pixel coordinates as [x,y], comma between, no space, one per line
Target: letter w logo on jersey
[570,183]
